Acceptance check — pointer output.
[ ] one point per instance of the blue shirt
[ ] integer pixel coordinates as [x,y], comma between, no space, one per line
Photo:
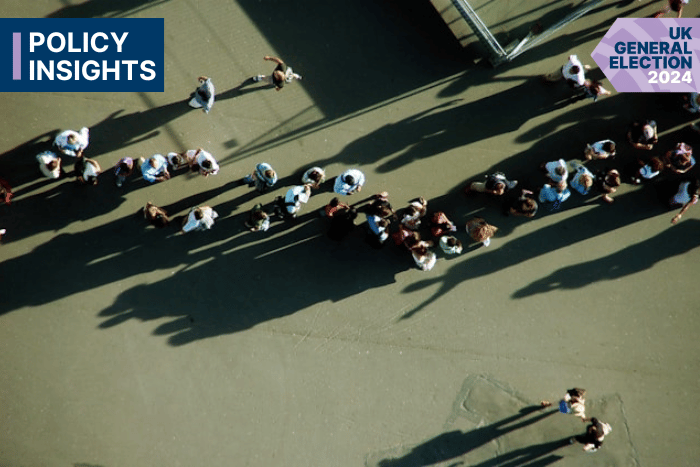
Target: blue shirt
[151,173]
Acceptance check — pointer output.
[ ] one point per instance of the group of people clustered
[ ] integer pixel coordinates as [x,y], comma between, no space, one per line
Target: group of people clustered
[561,175]
[381,217]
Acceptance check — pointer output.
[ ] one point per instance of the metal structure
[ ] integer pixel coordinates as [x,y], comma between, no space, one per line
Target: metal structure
[497,53]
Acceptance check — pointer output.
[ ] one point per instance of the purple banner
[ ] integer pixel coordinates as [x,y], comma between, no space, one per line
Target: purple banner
[651,55]
[16,55]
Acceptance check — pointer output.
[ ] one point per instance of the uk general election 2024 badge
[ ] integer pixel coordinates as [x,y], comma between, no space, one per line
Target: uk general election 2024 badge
[651,55]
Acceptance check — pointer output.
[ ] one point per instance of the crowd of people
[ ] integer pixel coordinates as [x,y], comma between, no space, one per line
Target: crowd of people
[412,227]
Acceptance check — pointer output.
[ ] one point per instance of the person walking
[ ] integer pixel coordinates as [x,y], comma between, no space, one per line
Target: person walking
[203,97]
[280,75]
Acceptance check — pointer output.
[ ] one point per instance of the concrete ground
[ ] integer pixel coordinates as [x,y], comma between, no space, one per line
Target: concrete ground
[121,345]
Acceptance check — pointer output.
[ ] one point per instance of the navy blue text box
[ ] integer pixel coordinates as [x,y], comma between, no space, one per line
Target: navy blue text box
[82,55]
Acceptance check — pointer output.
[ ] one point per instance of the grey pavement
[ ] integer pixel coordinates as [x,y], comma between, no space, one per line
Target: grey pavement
[121,345]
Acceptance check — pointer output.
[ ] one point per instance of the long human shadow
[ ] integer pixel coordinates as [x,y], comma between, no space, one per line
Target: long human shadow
[454,444]
[636,206]
[672,242]
[19,166]
[101,8]
[448,126]
[538,455]
[239,287]
[119,130]
[224,280]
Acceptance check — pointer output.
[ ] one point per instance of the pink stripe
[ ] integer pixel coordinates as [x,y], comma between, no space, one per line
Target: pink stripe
[16,56]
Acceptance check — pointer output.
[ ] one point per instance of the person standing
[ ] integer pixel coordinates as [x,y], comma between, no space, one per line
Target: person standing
[600,150]
[574,403]
[5,192]
[687,195]
[87,170]
[554,195]
[155,215]
[450,245]
[199,218]
[280,75]
[295,197]
[258,219]
[205,163]
[480,230]
[72,143]
[495,184]
[122,170]
[262,178]
[155,169]
[204,95]
[49,164]
[592,439]
[572,72]
[349,182]
[643,134]
[315,176]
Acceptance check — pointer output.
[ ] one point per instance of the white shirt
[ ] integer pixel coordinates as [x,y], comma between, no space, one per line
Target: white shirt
[44,158]
[579,77]
[82,140]
[205,156]
[551,168]
[597,147]
[294,197]
[92,169]
[205,223]
[343,188]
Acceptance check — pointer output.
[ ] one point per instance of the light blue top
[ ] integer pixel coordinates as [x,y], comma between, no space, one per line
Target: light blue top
[150,173]
[549,194]
[576,180]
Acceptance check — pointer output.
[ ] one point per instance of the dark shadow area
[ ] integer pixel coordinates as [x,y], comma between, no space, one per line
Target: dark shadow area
[19,165]
[538,455]
[449,125]
[370,52]
[104,8]
[454,444]
[119,130]
[225,280]
[628,208]
[674,241]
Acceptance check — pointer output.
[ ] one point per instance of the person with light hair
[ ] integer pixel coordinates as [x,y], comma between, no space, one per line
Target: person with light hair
[72,143]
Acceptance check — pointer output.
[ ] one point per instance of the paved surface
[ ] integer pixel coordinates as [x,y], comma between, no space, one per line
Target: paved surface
[121,346]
